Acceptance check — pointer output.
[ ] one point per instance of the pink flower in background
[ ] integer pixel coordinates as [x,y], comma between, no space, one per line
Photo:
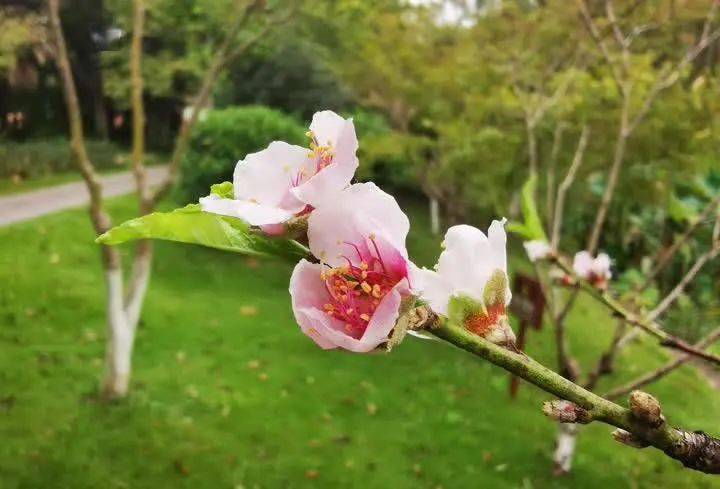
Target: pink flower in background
[595,270]
[538,249]
[284,180]
[351,300]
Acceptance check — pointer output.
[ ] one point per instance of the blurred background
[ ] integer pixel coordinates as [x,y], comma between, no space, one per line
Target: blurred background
[456,104]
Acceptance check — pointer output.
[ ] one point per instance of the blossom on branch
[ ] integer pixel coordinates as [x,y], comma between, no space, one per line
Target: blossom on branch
[283,181]
[537,249]
[594,270]
[470,283]
[352,298]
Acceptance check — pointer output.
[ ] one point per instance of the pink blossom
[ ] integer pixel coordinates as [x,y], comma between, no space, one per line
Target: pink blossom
[351,300]
[283,180]
[538,249]
[595,270]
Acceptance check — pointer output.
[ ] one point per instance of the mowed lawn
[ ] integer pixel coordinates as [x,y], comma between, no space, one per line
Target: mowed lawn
[227,393]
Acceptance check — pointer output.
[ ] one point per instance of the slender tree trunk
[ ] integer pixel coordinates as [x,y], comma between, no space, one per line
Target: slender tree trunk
[137,288]
[434,215]
[120,336]
[565,447]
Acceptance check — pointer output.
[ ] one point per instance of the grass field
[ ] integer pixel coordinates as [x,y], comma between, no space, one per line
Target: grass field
[228,394]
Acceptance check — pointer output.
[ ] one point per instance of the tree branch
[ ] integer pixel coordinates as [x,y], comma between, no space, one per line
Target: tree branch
[667,255]
[552,165]
[661,372]
[680,287]
[99,217]
[223,55]
[600,42]
[651,327]
[643,421]
[605,363]
[565,186]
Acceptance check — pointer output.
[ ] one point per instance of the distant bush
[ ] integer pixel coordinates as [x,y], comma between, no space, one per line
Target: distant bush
[38,157]
[228,135]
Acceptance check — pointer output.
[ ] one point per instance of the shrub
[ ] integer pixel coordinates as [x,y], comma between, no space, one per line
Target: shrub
[227,135]
[39,157]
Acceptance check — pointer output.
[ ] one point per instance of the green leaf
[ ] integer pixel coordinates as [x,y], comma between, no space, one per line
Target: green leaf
[191,225]
[224,190]
[532,228]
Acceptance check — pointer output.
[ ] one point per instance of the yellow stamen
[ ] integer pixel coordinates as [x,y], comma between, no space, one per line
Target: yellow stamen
[366,287]
[376,292]
[365,317]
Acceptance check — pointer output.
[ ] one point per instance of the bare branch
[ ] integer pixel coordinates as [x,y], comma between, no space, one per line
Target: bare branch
[552,164]
[670,77]
[661,372]
[680,287]
[605,363]
[613,176]
[651,327]
[666,256]
[600,42]
[565,186]
[223,55]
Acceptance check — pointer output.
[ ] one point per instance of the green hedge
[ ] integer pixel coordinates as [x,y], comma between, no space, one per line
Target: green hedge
[228,135]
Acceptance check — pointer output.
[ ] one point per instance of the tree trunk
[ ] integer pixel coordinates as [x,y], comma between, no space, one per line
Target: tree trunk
[434,216]
[565,448]
[120,338]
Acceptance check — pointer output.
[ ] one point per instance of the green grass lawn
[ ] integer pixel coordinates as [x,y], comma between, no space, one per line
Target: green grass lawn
[227,393]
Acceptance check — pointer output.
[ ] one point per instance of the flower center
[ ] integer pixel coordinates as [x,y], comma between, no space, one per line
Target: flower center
[482,324]
[356,290]
[319,156]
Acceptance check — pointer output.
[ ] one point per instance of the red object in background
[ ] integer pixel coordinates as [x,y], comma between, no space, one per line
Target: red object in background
[528,305]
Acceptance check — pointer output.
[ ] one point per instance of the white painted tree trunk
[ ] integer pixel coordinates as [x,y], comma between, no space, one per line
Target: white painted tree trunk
[434,216]
[565,447]
[138,286]
[120,337]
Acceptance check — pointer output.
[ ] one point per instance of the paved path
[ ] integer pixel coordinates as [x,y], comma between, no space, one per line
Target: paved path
[29,205]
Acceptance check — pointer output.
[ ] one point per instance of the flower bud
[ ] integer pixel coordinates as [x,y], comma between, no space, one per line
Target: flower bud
[628,439]
[566,412]
[646,408]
